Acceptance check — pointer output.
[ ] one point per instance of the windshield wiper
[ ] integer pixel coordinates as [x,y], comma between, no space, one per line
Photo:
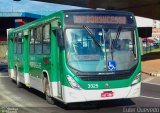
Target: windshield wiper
[92,35]
[118,32]
[114,43]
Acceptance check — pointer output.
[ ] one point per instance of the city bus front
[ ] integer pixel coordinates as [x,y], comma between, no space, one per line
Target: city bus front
[102,59]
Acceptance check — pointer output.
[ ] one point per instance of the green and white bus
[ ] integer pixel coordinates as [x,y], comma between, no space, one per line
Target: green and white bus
[78,55]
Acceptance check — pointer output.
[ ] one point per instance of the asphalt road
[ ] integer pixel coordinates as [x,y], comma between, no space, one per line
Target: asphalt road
[25,100]
[3,68]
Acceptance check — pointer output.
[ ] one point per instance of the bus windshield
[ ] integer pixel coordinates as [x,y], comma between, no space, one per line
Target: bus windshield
[101,49]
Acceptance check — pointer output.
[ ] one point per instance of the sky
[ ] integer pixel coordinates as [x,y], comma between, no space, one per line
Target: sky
[31,6]
[47,8]
[144,22]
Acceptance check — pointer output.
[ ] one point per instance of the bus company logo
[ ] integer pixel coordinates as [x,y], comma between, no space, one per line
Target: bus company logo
[107,94]
[107,85]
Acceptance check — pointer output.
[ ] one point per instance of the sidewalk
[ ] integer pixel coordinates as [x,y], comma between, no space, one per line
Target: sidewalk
[3,61]
[151,67]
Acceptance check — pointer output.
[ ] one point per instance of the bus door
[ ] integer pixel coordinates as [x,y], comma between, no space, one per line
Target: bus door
[55,52]
[19,52]
[56,63]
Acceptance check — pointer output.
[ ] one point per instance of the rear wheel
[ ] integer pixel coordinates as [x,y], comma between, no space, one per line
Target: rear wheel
[49,99]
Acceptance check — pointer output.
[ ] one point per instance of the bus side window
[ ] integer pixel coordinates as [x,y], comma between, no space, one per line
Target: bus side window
[46,39]
[38,41]
[32,32]
[15,43]
[19,43]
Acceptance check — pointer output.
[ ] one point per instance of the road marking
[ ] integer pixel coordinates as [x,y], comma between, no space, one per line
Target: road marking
[3,76]
[151,83]
[4,101]
[148,79]
[7,98]
[150,97]
[3,73]
[12,101]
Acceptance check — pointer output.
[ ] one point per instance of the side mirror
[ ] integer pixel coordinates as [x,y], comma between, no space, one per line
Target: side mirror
[60,39]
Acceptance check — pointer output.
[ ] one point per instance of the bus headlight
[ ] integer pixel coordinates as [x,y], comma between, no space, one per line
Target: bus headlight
[73,83]
[136,80]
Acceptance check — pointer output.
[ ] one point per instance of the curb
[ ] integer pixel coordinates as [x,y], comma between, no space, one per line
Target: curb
[152,74]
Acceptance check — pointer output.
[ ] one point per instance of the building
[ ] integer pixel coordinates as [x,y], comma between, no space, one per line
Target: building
[12,20]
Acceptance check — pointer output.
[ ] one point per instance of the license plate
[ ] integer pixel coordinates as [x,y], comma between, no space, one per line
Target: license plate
[107,94]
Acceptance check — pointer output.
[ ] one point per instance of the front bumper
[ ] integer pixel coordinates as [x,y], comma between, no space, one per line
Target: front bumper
[71,95]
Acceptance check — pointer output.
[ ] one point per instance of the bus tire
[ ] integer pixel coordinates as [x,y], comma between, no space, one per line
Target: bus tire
[19,85]
[47,91]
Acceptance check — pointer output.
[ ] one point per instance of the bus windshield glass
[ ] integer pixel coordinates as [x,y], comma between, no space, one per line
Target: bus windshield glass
[101,49]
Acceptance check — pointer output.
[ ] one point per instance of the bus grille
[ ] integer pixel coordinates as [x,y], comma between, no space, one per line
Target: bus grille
[104,77]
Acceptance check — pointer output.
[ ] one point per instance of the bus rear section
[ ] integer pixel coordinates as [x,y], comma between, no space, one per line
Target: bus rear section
[100,56]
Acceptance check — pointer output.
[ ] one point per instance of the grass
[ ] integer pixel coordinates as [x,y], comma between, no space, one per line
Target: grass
[156,50]
[154,54]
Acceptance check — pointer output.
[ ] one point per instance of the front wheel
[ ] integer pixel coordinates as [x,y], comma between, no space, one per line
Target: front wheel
[49,99]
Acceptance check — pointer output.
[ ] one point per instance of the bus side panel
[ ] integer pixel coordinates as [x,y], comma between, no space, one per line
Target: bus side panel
[10,56]
[25,59]
[26,54]
[10,53]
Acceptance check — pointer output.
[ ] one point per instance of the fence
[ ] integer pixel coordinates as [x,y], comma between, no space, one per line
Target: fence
[3,49]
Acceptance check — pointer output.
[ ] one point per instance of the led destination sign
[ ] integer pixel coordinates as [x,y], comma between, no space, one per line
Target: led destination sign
[100,19]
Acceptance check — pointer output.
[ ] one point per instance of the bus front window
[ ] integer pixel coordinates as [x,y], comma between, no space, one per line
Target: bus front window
[91,52]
